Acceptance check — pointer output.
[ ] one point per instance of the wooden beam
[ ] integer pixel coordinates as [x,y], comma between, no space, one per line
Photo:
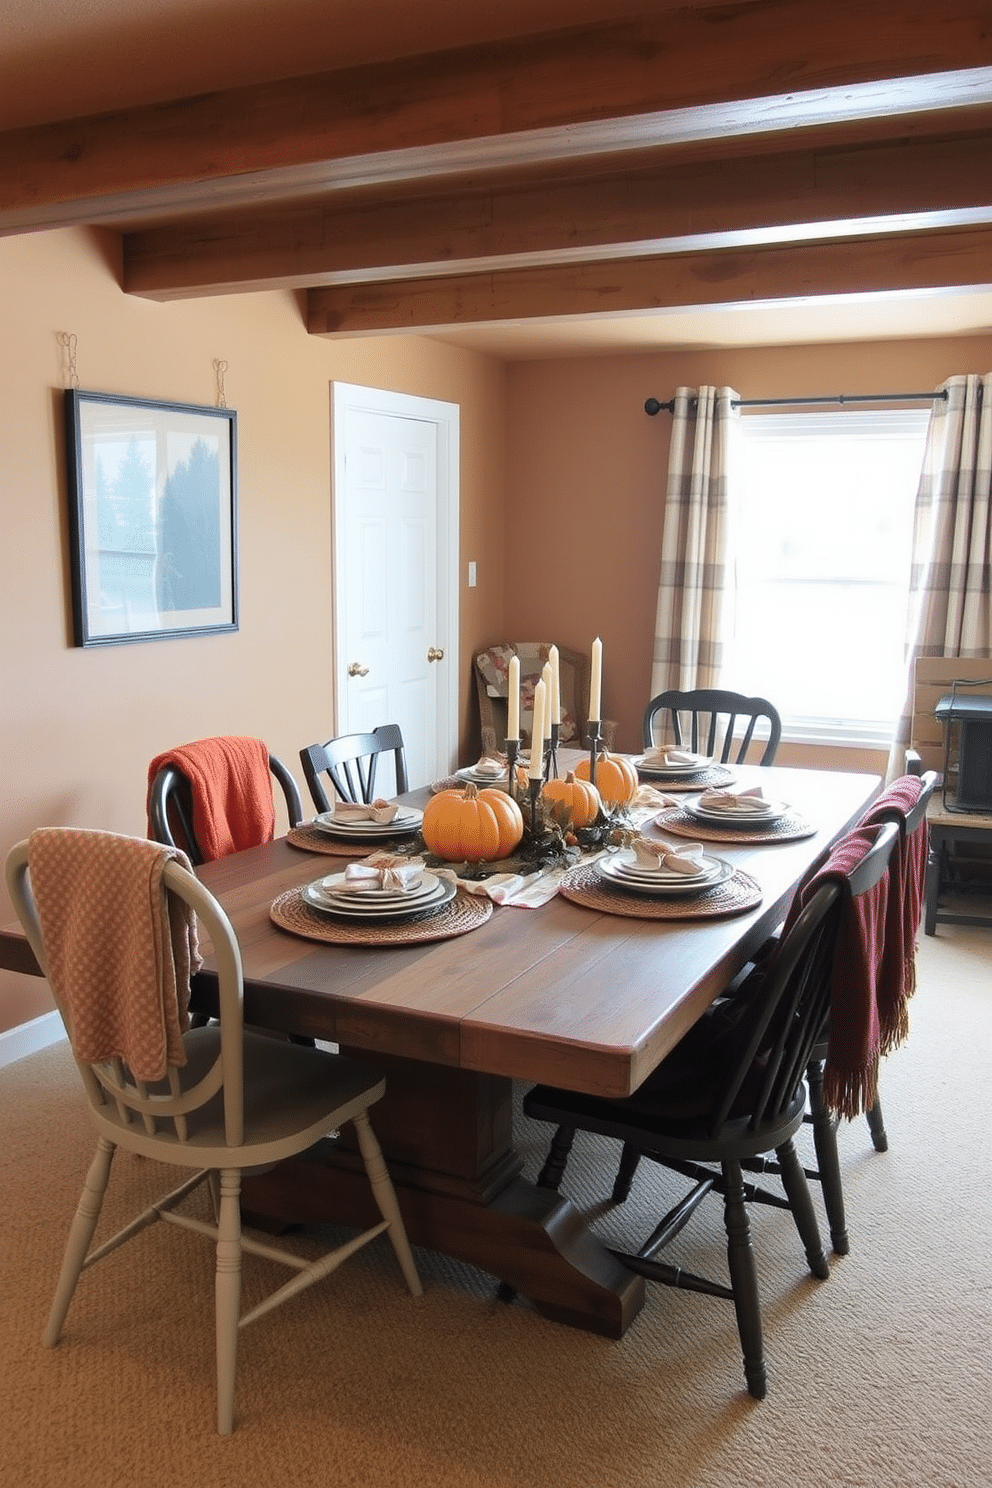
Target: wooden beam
[748,66]
[934,260]
[739,201]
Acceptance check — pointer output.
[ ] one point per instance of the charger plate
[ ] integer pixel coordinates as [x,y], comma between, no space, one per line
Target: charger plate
[312,839]
[583,885]
[464,913]
[788,828]
[715,775]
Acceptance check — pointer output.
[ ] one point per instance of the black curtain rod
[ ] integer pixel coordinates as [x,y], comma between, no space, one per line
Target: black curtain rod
[652,406]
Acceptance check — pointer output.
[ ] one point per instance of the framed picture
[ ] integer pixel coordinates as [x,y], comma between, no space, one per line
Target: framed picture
[153,518]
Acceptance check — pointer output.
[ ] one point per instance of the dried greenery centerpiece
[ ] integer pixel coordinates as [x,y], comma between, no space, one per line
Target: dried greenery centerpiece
[555,827]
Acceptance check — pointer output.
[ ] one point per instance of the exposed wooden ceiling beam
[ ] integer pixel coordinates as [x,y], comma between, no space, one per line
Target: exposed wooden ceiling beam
[792,195]
[754,65]
[931,260]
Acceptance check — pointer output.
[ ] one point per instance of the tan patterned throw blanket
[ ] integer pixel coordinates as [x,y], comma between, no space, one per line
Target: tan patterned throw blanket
[119,962]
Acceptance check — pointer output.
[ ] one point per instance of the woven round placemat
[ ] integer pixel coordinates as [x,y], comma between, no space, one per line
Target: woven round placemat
[718,775]
[786,829]
[312,839]
[583,885]
[463,913]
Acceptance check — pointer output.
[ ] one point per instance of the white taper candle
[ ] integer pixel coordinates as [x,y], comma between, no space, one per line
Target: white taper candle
[555,686]
[596,681]
[513,699]
[537,734]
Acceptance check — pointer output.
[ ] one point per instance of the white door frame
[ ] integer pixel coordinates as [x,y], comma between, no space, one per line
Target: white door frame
[445,416]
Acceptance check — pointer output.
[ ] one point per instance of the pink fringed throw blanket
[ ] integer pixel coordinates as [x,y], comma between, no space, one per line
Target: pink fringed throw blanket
[907,873]
[232,792]
[862,978]
[119,962]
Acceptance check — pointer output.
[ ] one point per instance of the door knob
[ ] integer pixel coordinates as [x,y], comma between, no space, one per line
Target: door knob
[436,653]
[357,670]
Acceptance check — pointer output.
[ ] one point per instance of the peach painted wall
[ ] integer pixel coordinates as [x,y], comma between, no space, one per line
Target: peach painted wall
[586,481]
[79,726]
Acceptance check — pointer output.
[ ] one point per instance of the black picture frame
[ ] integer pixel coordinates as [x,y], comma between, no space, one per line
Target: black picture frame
[152,518]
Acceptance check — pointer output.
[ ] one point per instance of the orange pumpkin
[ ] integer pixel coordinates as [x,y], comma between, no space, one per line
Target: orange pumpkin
[467,826]
[616,777]
[574,803]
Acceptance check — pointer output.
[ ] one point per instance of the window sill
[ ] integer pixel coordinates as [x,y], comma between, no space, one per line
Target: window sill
[850,736]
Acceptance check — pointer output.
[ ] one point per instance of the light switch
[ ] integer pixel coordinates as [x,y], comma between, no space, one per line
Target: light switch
[471,575]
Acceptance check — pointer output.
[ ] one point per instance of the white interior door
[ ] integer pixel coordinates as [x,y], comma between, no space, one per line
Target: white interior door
[396,572]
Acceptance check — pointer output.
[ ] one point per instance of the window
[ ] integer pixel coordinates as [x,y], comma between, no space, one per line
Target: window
[822,540]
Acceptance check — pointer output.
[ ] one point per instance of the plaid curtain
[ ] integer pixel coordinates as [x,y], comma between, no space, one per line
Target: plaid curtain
[950,594]
[695,544]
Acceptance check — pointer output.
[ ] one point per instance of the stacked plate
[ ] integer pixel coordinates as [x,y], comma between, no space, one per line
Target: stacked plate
[481,778]
[656,768]
[745,812]
[425,896]
[486,777]
[623,871]
[407,819]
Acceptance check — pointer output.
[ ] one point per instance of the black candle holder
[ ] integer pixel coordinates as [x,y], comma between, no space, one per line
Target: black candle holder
[512,750]
[534,790]
[551,754]
[594,736]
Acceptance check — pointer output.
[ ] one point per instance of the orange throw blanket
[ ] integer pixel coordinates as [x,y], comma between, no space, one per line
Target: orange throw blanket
[861,981]
[118,961]
[232,792]
[907,874]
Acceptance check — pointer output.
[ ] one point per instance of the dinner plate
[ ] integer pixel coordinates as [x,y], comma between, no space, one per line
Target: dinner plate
[625,865]
[653,767]
[666,885]
[756,816]
[407,819]
[404,906]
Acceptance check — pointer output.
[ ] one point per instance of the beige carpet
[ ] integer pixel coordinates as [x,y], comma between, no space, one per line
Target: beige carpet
[880,1377]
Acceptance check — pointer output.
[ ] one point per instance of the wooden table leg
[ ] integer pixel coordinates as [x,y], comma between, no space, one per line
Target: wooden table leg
[447,1138]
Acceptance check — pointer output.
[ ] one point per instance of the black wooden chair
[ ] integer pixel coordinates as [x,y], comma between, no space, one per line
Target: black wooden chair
[713,716]
[732,1090]
[170,807]
[170,821]
[350,762]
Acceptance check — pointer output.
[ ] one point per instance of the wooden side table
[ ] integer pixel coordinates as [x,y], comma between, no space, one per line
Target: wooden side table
[946,827]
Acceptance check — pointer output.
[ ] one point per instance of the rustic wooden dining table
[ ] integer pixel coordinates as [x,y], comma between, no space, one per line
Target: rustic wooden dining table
[566,994]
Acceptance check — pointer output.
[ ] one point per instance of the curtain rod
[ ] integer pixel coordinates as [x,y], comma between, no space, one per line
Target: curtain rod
[652,406]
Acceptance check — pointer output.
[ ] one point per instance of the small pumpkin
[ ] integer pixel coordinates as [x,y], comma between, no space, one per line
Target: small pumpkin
[616,777]
[467,826]
[574,803]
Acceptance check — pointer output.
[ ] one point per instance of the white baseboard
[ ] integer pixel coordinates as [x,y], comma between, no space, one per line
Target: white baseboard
[28,1038]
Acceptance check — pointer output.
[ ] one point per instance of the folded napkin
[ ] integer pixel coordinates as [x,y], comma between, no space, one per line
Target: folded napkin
[657,852]
[520,890]
[662,757]
[378,811]
[399,876]
[728,800]
[655,800]
[489,764]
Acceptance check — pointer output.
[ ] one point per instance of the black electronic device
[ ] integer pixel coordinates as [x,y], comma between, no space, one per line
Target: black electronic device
[968,720]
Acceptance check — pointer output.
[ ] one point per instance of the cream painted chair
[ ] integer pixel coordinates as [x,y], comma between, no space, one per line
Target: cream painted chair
[230,1100]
